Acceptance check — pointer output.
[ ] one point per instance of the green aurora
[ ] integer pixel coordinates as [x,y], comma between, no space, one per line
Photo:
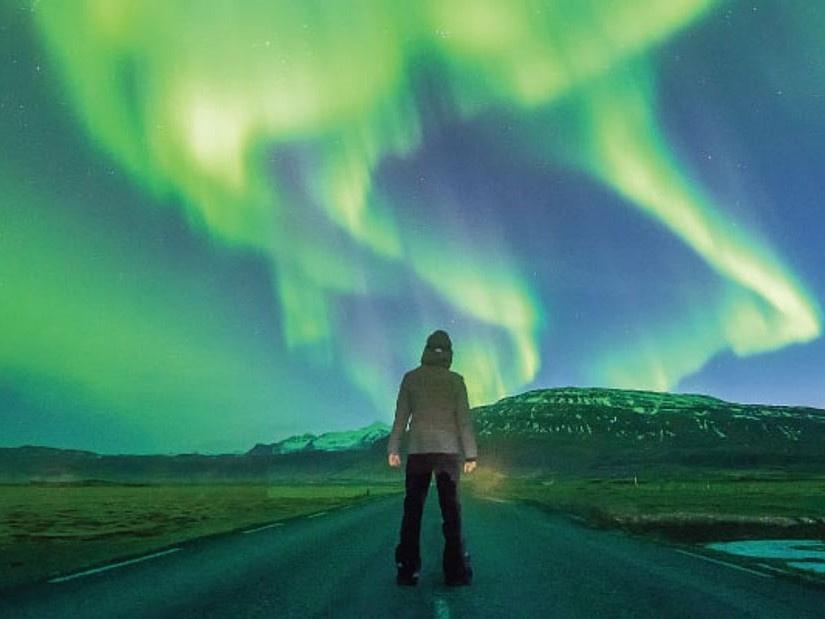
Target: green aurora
[192,102]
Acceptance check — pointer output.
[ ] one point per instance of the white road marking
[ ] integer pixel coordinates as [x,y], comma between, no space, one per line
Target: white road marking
[266,526]
[772,568]
[112,566]
[315,515]
[441,610]
[492,498]
[733,565]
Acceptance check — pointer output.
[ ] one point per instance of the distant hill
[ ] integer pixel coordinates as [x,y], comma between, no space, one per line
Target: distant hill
[361,438]
[645,416]
[574,430]
[68,467]
[578,426]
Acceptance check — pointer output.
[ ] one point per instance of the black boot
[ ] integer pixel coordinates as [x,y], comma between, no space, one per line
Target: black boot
[407,575]
[457,570]
[408,570]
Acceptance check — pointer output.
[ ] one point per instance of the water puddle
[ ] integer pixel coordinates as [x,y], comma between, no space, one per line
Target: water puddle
[801,554]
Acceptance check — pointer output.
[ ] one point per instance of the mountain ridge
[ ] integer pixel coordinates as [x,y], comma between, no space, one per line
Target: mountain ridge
[574,429]
[360,438]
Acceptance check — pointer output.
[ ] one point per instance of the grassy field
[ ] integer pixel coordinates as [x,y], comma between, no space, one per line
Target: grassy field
[52,529]
[47,530]
[710,506]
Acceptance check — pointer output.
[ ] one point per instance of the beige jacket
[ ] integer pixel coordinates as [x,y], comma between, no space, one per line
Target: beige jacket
[434,401]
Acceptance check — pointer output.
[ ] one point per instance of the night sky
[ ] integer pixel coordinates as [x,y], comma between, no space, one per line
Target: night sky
[224,222]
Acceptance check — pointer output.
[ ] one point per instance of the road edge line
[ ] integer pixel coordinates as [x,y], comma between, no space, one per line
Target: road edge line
[112,566]
[266,526]
[725,563]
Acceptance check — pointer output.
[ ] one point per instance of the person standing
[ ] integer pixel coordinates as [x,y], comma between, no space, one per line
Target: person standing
[434,401]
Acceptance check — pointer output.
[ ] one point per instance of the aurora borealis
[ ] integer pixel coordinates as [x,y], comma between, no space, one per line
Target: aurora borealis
[225,222]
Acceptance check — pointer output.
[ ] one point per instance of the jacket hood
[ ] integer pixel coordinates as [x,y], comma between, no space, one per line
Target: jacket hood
[438,350]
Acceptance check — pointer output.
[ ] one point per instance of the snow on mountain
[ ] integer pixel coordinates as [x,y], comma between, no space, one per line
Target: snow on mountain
[612,418]
[644,416]
[361,438]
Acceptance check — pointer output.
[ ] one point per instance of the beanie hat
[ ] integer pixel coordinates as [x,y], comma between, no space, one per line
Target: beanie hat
[438,350]
[439,339]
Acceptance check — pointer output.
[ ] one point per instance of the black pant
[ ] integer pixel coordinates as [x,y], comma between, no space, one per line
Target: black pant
[419,469]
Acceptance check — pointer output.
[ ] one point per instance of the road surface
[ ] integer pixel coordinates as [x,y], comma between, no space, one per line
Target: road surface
[340,564]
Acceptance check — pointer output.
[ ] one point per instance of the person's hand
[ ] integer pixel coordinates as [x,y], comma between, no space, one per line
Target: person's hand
[470,466]
[395,460]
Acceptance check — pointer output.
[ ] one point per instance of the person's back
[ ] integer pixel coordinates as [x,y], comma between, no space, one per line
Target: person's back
[433,399]
[436,399]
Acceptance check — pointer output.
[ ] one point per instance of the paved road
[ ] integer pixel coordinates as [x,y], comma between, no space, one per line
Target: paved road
[340,564]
